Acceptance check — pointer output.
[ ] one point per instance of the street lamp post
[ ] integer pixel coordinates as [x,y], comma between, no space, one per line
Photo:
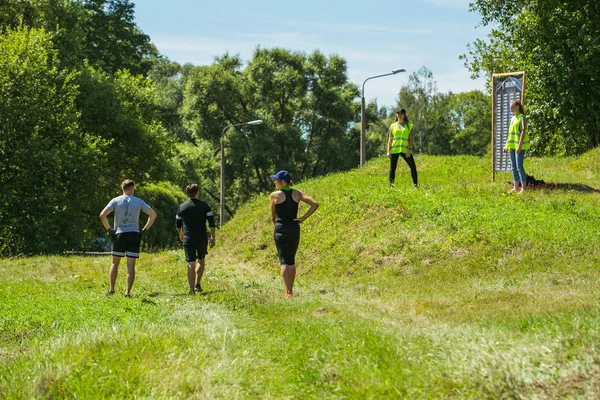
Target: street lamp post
[363,120]
[222,191]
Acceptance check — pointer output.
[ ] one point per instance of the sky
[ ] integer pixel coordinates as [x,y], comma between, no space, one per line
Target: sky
[373,36]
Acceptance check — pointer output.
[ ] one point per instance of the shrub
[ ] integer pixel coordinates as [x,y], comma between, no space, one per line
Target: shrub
[164,198]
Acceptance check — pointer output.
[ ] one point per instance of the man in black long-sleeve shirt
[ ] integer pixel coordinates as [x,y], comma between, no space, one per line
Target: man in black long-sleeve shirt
[191,224]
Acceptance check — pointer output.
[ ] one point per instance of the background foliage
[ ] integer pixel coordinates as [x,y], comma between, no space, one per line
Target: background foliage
[88,101]
[557,43]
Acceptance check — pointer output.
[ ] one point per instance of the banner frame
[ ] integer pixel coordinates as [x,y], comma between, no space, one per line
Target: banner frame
[494,76]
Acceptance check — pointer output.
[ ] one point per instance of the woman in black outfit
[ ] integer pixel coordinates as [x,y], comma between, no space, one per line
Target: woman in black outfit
[284,213]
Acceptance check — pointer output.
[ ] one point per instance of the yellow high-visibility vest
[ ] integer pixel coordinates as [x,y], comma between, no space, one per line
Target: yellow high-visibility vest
[514,134]
[400,136]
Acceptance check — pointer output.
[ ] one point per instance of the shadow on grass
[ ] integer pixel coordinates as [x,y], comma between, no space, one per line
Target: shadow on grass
[576,187]
[204,293]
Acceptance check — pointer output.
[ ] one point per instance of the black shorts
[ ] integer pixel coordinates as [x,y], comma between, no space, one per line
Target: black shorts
[287,239]
[127,244]
[196,251]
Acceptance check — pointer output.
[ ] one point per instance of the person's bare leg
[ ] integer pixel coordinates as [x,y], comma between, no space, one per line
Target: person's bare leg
[112,276]
[288,273]
[130,274]
[199,273]
[191,275]
[515,188]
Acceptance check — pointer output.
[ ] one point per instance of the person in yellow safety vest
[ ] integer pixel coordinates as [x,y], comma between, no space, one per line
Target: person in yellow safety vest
[517,144]
[400,144]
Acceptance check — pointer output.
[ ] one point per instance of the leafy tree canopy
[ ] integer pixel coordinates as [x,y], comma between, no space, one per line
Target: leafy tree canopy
[557,43]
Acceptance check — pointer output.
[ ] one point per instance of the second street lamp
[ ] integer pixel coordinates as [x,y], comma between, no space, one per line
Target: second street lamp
[363,119]
[222,191]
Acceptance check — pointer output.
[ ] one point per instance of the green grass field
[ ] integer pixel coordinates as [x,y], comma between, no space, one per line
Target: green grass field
[452,290]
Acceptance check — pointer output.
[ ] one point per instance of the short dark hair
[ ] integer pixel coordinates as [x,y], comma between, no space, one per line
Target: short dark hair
[127,184]
[191,190]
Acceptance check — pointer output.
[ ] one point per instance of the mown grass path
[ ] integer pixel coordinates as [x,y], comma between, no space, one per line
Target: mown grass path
[454,290]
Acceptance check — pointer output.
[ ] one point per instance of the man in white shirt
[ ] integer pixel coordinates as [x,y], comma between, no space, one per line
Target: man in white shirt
[126,235]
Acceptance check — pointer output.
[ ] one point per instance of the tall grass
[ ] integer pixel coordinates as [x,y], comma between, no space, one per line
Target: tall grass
[452,290]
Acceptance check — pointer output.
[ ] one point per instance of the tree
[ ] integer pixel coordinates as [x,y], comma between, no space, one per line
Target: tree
[378,123]
[169,81]
[307,105]
[446,123]
[113,40]
[278,87]
[442,131]
[101,33]
[272,88]
[46,162]
[417,99]
[471,115]
[557,43]
[214,97]
[325,114]
[120,113]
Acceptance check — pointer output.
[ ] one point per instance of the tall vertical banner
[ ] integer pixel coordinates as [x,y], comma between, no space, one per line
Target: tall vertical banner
[505,88]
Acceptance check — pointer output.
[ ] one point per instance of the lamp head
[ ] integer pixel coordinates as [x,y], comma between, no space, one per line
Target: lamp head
[255,122]
[397,71]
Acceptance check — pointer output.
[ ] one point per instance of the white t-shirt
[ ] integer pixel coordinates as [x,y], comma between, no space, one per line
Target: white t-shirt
[127,212]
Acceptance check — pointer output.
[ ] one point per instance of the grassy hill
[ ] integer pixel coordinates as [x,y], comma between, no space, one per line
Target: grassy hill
[452,290]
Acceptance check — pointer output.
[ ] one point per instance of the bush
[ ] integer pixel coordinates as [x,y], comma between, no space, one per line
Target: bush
[46,162]
[164,198]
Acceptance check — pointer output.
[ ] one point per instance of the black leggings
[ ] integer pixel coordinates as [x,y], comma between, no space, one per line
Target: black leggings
[411,163]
